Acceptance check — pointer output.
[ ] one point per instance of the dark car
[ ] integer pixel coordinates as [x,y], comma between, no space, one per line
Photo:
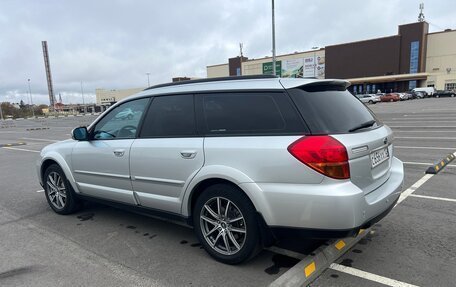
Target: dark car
[391,97]
[446,93]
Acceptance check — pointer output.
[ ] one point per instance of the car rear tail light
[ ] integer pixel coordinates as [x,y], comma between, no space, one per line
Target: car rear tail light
[324,154]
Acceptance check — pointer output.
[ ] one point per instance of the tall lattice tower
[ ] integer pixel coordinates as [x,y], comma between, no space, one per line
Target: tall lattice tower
[48,74]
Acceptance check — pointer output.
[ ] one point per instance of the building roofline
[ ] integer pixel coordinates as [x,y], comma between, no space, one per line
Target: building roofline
[207,80]
[361,41]
[216,65]
[441,32]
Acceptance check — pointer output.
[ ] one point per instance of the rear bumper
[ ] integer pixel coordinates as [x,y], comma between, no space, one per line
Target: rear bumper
[329,209]
[288,232]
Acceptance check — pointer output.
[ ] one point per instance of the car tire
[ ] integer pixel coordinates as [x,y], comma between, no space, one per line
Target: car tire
[452,95]
[371,102]
[437,96]
[225,222]
[59,193]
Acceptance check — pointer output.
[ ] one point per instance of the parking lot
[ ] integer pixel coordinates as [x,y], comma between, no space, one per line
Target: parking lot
[103,246]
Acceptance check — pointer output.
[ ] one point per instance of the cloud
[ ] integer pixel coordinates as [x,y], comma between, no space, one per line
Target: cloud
[113,44]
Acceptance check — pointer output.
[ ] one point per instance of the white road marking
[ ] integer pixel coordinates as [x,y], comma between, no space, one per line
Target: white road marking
[41,140]
[41,190]
[431,138]
[21,149]
[415,126]
[369,276]
[414,187]
[433,197]
[417,121]
[425,147]
[422,118]
[439,110]
[424,131]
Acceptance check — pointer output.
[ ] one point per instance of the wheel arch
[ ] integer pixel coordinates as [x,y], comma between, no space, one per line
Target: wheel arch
[266,236]
[57,159]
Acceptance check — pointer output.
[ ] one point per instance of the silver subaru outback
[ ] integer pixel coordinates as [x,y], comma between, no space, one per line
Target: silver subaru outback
[246,161]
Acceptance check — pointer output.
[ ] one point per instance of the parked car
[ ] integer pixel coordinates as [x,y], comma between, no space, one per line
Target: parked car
[246,161]
[368,98]
[125,114]
[403,96]
[445,93]
[417,95]
[391,97]
[428,90]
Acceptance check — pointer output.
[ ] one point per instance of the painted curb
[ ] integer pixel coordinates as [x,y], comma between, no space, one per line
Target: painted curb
[37,129]
[437,167]
[12,144]
[309,268]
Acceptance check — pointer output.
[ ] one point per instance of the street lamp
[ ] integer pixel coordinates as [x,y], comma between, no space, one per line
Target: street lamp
[31,100]
[148,82]
[82,94]
[273,42]
[1,112]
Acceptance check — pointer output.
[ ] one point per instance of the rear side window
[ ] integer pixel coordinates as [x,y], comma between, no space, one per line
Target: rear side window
[331,111]
[248,114]
[170,116]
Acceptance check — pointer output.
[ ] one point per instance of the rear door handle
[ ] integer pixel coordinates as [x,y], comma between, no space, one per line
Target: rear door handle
[119,152]
[188,154]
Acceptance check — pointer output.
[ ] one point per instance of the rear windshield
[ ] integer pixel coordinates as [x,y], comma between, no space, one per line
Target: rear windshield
[332,111]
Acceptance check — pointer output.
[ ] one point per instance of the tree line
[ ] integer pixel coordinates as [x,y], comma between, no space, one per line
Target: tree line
[10,110]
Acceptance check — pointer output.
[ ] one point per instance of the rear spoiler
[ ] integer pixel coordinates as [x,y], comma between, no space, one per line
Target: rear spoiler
[314,84]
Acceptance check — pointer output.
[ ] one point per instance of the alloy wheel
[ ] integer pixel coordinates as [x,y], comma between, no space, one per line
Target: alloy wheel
[56,190]
[223,225]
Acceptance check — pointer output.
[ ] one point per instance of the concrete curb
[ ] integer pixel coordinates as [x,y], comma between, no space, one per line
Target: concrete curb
[436,168]
[309,268]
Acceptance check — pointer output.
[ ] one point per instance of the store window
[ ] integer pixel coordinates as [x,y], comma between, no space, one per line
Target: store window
[450,86]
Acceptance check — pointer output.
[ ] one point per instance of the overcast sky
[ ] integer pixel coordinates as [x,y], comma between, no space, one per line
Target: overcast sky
[113,44]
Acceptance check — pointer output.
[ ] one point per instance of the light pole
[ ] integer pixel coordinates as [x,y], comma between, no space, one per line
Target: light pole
[148,82]
[83,104]
[273,42]
[1,112]
[31,100]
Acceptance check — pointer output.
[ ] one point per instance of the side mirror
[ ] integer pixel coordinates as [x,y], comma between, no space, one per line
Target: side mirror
[80,134]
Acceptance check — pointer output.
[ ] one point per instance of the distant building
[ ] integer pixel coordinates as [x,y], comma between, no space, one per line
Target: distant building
[109,97]
[411,58]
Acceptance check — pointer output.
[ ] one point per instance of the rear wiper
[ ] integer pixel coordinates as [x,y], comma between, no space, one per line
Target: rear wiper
[362,126]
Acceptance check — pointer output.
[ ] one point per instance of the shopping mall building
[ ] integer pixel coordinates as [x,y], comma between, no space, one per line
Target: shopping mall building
[412,58]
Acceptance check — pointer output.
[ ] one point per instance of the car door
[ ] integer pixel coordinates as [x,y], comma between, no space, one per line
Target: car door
[101,166]
[167,154]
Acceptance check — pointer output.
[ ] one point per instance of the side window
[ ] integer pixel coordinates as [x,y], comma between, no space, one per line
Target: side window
[170,116]
[122,122]
[249,113]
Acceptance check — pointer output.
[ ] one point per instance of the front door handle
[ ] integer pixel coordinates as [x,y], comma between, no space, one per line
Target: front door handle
[119,152]
[188,154]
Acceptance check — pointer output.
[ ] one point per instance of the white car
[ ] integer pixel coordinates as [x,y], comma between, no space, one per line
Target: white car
[369,98]
[247,161]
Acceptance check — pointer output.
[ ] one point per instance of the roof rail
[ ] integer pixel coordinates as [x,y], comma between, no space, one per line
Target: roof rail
[232,78]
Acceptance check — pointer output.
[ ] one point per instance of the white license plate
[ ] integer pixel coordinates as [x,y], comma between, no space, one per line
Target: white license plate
[379,156]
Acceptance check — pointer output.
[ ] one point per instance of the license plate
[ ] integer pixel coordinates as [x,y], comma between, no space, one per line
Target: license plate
[379,156]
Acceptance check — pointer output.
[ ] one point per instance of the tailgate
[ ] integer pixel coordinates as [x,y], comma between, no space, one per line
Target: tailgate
[370,155]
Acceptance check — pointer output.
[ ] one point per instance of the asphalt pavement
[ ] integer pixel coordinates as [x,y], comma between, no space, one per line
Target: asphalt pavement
[104,246]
